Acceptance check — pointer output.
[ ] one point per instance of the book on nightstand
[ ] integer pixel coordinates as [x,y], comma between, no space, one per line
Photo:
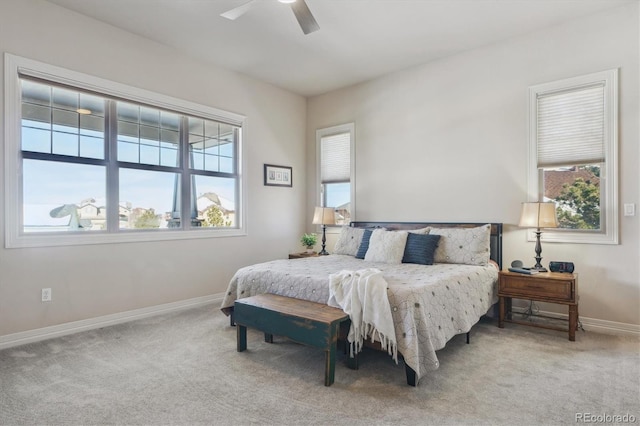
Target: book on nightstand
[523,271]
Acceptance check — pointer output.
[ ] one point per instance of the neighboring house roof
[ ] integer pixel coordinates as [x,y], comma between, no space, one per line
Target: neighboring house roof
[554,180]
[210,198]
[89,211]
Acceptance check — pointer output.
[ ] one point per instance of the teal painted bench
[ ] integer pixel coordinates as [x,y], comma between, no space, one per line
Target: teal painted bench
[305,322]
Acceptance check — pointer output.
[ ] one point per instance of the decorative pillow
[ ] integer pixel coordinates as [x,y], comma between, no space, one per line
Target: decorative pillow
[386,246]
[348,241]
[468,246]
[364,244]
[420,248]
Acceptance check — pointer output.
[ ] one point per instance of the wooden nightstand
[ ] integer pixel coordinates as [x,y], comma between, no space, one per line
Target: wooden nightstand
[302,255]
[548,287]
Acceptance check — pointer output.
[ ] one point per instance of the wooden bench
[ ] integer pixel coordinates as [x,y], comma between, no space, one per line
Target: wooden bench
[310,323]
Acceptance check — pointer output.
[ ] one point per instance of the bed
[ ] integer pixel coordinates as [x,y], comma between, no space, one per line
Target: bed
[430,303]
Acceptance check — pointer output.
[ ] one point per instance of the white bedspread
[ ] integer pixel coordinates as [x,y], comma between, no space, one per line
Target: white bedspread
[429,304]
[363,295]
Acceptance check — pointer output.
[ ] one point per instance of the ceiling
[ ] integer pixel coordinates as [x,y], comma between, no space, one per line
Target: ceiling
[358,39]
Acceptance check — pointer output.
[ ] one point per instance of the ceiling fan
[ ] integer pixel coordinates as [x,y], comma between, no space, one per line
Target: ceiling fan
[300,10]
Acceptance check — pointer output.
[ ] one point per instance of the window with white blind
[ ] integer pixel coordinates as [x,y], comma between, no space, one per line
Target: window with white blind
[90,161]
[335,153]
[573,156]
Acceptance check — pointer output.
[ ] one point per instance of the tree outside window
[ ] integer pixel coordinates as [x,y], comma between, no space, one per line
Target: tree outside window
[576,192]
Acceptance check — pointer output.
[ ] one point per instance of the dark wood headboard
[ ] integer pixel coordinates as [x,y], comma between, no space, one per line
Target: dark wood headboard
[496,231]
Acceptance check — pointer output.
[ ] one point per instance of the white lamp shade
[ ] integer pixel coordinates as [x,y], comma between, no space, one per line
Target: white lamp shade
[538,215]
[324,216]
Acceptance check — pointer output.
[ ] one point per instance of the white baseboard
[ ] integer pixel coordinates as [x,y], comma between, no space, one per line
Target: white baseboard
[594,324]
[21,338]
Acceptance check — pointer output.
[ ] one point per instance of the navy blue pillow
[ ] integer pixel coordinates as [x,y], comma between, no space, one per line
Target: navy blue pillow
[364,244]
[420,248]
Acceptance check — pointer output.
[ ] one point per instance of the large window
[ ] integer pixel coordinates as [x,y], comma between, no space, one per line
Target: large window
[335,153]
[91,161]
[573,155]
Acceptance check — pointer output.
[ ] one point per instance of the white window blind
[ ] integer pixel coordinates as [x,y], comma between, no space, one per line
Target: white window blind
[336,158]
[571,127]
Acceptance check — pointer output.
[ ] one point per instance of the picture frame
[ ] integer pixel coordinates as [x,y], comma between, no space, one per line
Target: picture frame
[278,175]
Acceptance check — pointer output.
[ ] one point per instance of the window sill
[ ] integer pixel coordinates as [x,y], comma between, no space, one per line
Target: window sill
[575,237]
[75,239]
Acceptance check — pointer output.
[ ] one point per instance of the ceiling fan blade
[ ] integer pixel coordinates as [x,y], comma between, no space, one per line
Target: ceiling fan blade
[305,18]
[237,12]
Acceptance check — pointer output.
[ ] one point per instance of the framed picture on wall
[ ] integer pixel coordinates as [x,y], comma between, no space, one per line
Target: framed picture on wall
[278,175]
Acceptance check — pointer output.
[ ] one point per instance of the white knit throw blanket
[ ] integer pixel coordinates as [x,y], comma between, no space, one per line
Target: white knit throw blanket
[363,295]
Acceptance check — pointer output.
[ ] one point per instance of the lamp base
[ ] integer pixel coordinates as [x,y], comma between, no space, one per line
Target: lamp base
[323,252]
[538,268]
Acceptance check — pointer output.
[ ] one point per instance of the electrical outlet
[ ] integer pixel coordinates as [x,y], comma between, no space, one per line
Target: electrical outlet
[46,295]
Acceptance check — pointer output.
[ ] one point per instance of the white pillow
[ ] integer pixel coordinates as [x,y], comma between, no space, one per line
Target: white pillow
[348,241]
[386,246]
[468,246]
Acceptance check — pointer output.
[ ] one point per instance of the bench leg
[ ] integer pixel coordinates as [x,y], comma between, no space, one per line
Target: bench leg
[268,338]
[330,364]
[241,337]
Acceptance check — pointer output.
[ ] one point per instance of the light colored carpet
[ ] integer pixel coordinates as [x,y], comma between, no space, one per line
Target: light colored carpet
[183,368]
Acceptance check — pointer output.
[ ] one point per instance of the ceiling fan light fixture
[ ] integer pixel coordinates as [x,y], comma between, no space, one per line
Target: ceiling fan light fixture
[303,15]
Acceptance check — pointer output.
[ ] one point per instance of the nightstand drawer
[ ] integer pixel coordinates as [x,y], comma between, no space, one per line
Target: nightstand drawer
[550,286]
[530,286]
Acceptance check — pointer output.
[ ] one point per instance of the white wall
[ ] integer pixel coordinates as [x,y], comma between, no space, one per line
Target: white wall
[447,141]
[97,280]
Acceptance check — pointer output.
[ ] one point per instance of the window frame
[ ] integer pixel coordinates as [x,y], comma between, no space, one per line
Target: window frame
[609,209]
[15,237]
[329,131]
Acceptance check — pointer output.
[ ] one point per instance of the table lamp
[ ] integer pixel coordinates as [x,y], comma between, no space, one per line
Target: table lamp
[538,215]
[324,216]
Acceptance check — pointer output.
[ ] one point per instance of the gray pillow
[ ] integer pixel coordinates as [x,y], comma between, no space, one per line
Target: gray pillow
[348,241]
[469,246]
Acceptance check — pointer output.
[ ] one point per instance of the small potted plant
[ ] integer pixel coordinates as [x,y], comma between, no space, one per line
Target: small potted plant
[309,240]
